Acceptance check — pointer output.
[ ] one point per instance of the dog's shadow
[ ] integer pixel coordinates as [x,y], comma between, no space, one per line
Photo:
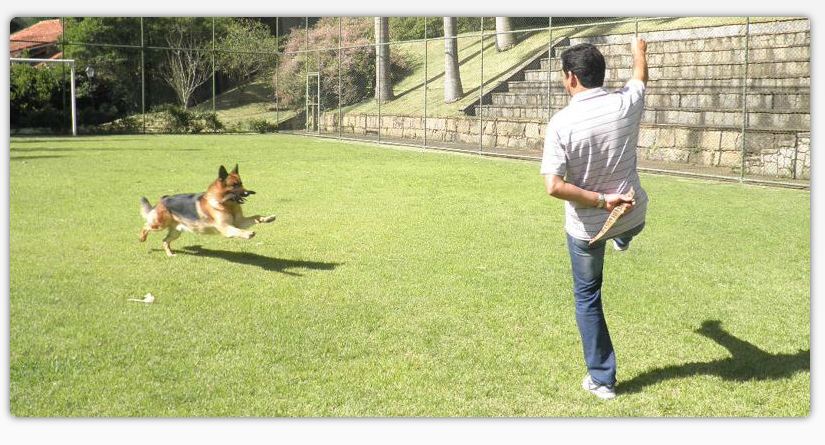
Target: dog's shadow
[253,259]
[747,362]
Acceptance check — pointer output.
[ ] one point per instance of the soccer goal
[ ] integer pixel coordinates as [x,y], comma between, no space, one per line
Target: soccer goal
[69,62]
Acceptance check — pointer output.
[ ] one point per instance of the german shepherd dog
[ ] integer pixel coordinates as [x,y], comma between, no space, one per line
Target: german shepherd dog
[218,210]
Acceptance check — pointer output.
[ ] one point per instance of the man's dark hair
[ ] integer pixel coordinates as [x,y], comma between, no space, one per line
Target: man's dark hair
[586,62]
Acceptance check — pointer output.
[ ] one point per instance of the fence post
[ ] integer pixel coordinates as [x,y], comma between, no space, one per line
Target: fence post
[306,74]
[481,94]
[550,68]
[340,45]
[142,76]
[213,64]
[277,63]
[74,105]
[745,97]
[426,79]
[378,80]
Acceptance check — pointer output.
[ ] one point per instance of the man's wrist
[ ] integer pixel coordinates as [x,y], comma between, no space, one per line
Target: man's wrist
[600,201]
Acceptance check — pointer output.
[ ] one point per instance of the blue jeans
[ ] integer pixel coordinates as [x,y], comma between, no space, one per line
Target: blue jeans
[587,263]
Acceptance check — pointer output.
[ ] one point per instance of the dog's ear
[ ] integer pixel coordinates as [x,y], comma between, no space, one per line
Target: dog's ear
[235,170]
[222,174]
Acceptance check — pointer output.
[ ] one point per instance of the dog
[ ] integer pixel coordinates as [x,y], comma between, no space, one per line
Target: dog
[215,211]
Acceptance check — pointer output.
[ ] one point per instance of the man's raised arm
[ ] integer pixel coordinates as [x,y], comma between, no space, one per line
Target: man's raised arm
[639,50]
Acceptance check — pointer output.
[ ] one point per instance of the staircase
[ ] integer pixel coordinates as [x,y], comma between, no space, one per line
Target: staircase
[696,88]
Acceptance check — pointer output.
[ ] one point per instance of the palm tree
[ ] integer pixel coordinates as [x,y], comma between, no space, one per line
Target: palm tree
[504,38]
[452,76]
[383,84]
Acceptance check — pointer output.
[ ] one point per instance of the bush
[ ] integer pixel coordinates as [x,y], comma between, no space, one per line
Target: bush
[211,122]
[126,125]
[35,99]
[178,119]
[412,28]
[261,126]
[175,119]
[357,64]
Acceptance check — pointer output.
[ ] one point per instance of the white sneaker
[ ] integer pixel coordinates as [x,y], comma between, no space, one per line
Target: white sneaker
[603,392]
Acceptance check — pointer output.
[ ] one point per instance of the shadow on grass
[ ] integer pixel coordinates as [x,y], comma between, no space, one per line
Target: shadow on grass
[252,259]
[107,148]
[747,362]
[30,157]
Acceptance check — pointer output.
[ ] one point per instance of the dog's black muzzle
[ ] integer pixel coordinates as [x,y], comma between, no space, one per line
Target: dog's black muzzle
[239,197]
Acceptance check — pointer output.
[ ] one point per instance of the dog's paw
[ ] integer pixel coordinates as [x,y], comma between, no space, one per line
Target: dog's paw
[266,219]
[248,235]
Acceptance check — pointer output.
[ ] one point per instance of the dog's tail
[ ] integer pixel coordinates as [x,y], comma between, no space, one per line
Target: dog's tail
[145,207]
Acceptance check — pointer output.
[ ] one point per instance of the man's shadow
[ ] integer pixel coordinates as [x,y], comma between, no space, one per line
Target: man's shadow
[747,362]
[253,259]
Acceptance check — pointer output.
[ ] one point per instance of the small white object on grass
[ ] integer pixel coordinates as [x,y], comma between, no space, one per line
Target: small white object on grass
[148,298]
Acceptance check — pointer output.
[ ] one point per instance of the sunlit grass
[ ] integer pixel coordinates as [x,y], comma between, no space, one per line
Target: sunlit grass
[396,282]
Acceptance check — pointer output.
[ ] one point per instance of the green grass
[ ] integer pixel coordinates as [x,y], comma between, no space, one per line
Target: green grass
[394,283]
[255,100]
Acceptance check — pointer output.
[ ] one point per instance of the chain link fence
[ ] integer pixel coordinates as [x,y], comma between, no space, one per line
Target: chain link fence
[728,97]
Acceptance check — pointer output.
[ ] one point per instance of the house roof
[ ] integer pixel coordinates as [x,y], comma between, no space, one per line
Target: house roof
[43,33]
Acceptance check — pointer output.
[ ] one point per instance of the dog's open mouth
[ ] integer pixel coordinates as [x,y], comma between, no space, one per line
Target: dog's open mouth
[240,198]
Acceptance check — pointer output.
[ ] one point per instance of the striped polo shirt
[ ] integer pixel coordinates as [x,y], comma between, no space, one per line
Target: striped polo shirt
[592,144]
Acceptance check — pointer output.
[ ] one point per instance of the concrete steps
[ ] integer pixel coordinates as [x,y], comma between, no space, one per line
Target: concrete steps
[707,43]
[776,119]
[772,70]
[661,98]
[711,57]
[691,83]
[694,99]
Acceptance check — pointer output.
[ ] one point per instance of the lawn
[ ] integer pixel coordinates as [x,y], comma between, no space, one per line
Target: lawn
[396,282]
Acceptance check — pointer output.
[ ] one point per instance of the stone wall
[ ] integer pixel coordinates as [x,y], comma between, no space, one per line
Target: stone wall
[783,154]
[694,102]
[510,134]
[769,153]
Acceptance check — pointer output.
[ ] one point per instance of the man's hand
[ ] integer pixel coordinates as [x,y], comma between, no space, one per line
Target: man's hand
[613,200]
[639,49]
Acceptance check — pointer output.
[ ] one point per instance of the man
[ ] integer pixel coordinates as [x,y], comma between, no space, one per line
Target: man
[590,162]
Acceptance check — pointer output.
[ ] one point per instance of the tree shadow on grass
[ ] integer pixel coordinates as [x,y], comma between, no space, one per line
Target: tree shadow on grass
[747,362]
[252,259]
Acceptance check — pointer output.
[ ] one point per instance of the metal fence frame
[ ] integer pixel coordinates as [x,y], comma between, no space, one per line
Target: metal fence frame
[427,144]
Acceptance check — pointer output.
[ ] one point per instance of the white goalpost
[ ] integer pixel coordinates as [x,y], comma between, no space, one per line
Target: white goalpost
[70,62]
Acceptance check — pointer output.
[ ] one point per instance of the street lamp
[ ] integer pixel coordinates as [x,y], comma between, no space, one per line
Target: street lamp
[90,73]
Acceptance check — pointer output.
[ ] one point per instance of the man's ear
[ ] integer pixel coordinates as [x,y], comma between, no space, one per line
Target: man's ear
[222,174]
[573,80]
[235,170]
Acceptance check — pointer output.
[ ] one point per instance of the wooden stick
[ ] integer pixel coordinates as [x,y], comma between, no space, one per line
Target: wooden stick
[617,213]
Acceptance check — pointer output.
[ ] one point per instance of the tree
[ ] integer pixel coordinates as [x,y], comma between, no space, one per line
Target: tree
[357,63]
[505,39]
[452,77]
[116,90]
[246,48]
[383,84]
[35,97]
[185,69]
